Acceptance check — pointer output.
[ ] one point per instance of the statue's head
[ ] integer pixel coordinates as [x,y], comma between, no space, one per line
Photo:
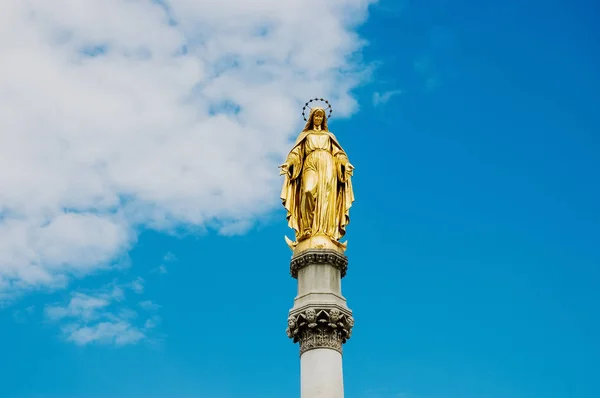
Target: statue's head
[316,119]
[318,116]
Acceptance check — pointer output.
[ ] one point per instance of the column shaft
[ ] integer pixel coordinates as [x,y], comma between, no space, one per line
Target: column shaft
[321,374]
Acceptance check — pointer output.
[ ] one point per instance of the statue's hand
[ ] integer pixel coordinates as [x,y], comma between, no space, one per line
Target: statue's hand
[285,169]
[349,168]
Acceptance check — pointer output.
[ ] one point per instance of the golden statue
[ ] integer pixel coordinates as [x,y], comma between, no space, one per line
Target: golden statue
[317,188]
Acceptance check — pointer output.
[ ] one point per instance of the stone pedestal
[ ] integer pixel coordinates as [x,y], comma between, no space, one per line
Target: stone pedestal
[320,321]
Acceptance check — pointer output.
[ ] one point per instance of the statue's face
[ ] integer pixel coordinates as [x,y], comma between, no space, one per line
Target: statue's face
[318,118]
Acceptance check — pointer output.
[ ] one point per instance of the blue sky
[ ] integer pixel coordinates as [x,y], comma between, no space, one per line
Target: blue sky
[473,245]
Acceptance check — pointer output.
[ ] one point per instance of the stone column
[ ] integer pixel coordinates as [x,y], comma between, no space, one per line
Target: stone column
[320,321]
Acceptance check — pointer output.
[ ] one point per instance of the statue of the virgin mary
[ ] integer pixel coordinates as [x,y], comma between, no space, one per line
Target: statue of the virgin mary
[317,189]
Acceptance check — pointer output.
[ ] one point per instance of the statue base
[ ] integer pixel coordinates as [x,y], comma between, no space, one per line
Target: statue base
[316,242]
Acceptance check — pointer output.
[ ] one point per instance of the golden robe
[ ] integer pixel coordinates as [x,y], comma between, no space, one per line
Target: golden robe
[317,193]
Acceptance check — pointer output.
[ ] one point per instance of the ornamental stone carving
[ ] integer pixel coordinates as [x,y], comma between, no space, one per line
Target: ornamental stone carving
[320,328]
[319,256]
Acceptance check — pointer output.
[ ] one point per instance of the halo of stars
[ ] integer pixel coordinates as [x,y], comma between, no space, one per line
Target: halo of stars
[328,106]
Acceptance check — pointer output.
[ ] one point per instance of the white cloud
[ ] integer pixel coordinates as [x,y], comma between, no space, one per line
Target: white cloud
[117,115]
[138,285]
[118,333]
[82,306]
[170,257]
[117,293]
[148,305]
[99,317]
[127,314]
[161,269]
[382,98]
[151,323]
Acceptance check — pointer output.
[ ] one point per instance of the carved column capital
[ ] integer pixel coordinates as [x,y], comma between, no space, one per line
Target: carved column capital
[316,327]
[318,256]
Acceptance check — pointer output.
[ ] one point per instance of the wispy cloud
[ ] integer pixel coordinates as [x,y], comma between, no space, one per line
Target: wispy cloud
[169,257]
[153,322]
[392,9]
[149,305]
[384,97]
[81,306]
[109,332]
[138,285]
[162,269]
[102,317]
